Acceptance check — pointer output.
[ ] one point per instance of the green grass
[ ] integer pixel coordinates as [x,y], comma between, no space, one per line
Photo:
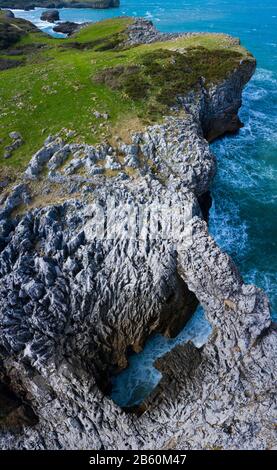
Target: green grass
[102,30]
[63,82]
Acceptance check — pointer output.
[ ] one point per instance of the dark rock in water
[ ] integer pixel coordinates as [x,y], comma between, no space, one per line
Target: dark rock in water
[68,27]
[51,16]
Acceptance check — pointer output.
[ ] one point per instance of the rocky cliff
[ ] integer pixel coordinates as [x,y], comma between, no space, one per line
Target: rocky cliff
[88,277]
[31,4]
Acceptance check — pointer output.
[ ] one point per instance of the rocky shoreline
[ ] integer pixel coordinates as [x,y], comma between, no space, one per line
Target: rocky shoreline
[77,291]
[64,27]
[32,4]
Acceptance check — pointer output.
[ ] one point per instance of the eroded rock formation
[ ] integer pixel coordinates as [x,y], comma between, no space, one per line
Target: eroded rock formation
[68,27]
[50,15]
[79,288]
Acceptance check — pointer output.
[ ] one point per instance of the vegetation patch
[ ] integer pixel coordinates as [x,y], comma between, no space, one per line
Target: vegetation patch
[127,79]
[47,83]
[103,44]
[165,74]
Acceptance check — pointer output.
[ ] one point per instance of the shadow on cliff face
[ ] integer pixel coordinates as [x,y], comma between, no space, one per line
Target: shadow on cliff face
[14,413]
[177,309]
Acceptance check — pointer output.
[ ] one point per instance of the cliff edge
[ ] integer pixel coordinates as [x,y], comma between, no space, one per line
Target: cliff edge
[104,240]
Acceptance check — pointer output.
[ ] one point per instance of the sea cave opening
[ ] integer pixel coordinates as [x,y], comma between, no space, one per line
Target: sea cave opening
[133,385]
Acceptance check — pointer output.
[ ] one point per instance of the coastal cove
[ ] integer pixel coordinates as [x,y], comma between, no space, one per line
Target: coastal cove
[137,228]
[243,215]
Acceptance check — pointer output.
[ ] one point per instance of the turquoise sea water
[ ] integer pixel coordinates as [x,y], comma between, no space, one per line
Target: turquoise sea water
[244,212]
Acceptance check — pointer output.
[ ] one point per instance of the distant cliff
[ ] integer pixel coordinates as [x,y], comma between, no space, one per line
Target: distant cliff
[31,4]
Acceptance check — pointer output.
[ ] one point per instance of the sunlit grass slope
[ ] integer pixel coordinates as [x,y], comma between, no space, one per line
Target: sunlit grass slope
[47,84]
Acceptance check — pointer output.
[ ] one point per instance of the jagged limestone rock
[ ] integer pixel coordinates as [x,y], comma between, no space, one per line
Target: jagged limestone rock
[85,280]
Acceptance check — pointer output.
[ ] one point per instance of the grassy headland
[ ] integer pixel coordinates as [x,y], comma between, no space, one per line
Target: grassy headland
[47,84]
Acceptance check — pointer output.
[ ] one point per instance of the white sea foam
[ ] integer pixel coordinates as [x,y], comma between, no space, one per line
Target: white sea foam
[44,24]
[226,226]
[149,15]
[254,94]
[246,178]
[264,75]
